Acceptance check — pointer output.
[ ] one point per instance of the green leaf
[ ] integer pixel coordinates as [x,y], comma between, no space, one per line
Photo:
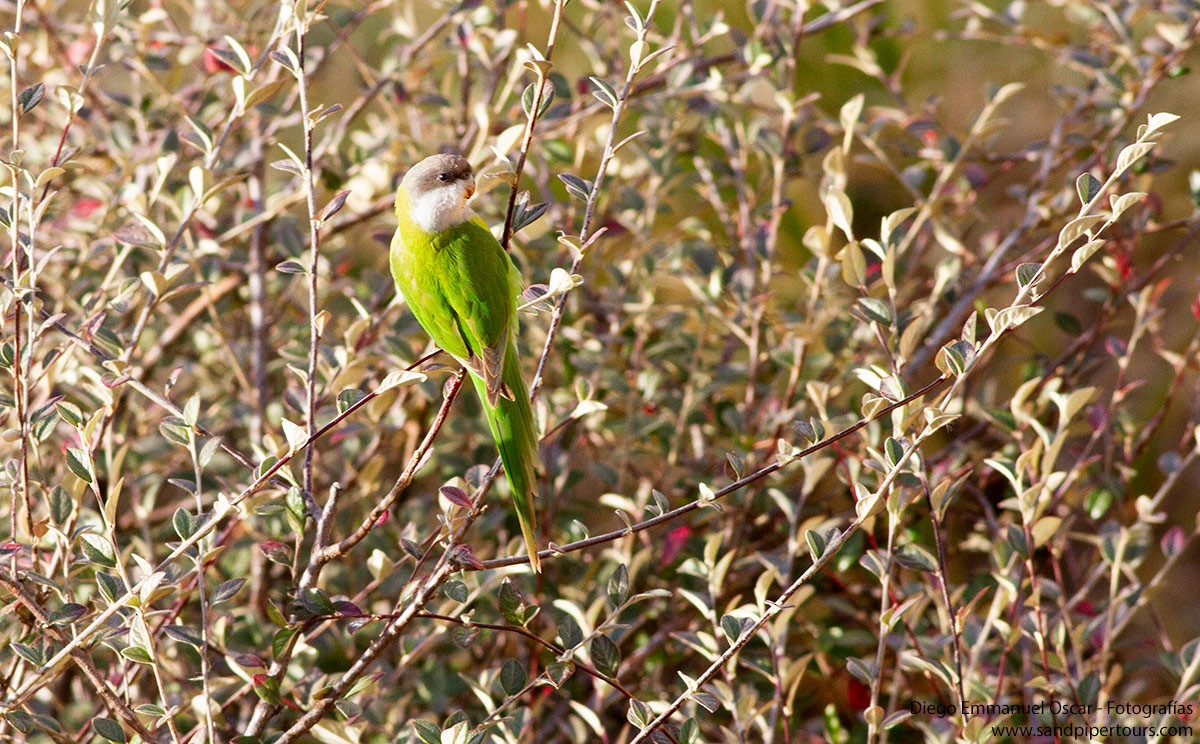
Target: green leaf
[200,137]
[1088,187]
[184,634]
[209,450]
[109,729]
[61,505]
[1068,323]
[455,590]
[137,654]
[875,309]
[569,632]
[1098,502]
[175,429]
[1026,273]
[689,732]
[267,689]
[150,709]
[20,720]
[1079,227]
[576,186]
[512,604]
[639,714]
[286,58]
[28,653]
[281,640]
[1155,122]
[605,655]
[287,166]
[854,265]
[348,398]
[295,434]
[707,700]
[315,601]
[816,543]
[275,616]
[462,636]
[559,672]
[1011,317]
[427,731]
[874,563]
[525,215]
[811,431]
[109,585]
[604,92]
[267,463]
[950,362]
[841,211]
[226,590]
[412,548]
[276,552]
[28,99]
[915,557]
[399,377]
[1123,202]
[1131,154]
[457,729]
[513,677]
[80,463]
[98,550]
[184,523]
[1016,538]
[1084,252]
[70,413]
[334,206]
[732,626]
[191,411]
[68,613]
[527,98]
[618,586]
[863,670]
[941,496]
[894,449]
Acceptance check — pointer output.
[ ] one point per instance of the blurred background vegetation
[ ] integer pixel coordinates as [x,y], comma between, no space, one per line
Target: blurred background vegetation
[225,519]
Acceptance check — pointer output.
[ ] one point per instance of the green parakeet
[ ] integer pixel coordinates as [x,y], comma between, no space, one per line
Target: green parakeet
[462,288]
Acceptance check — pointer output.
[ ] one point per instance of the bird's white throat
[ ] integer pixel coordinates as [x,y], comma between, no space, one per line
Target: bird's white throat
[440,209]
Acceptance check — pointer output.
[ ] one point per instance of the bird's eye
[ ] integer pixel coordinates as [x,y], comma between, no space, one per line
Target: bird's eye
[444,177]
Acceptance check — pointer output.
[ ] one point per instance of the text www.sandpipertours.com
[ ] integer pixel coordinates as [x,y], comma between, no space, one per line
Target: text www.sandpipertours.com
[1092,732]
[1065,710]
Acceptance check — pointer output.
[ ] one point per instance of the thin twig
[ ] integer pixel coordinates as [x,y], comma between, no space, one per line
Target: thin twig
[78,655]
[325,553]
[585,235]
[556,550]
[223,509]
[531,120]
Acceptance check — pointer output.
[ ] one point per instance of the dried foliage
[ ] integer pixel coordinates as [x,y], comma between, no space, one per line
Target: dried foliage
[862,335]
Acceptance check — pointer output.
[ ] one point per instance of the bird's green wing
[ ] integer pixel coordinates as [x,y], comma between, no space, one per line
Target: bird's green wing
[460,286]
[476,279]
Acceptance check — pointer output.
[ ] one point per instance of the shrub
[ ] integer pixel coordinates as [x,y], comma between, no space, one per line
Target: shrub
[858,336]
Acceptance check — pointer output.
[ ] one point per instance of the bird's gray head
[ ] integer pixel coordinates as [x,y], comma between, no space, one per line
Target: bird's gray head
[438,188]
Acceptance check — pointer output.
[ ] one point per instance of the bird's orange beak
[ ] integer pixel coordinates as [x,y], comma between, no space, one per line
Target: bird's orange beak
[470,188]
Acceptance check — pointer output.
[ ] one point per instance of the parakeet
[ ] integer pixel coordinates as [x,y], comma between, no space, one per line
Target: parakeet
[462,287]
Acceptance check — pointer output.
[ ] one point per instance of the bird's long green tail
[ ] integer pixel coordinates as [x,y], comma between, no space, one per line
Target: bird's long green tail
[511,422]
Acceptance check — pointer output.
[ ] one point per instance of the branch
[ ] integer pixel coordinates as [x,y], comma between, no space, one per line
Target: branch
[556,550]
[77,655]
[531,120]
